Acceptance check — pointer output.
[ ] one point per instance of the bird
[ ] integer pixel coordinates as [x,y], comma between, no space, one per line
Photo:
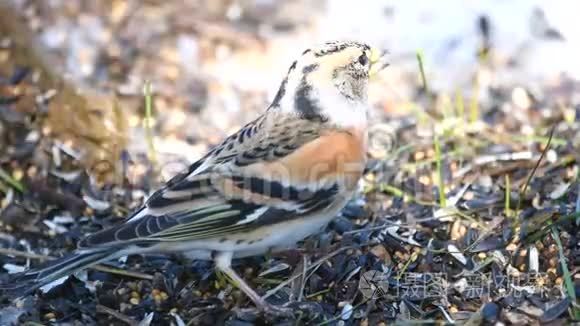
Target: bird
[279,179]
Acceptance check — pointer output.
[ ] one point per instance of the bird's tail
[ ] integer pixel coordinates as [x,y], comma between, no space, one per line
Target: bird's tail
[26,282]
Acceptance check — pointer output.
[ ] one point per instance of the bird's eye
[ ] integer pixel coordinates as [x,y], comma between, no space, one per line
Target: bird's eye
[363,60]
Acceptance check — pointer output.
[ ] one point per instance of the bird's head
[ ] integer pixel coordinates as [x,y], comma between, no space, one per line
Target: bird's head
[329,82]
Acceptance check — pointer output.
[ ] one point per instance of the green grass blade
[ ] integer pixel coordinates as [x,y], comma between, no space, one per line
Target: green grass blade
[11,181]
[569,284]
[440,180]
[474,104]
[523,192]
[460,105]
[508,211]
[422,71]
[578,196]
[148,94]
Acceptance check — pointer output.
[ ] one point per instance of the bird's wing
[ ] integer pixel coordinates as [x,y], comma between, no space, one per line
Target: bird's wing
[266,139]
[220,194]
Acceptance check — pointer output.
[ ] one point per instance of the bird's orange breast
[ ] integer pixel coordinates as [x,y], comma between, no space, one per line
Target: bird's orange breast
[335,156]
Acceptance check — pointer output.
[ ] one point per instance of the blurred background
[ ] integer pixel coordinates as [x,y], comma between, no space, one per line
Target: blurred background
[214,64]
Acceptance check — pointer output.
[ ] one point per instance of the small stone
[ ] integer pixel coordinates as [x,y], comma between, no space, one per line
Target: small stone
[50,316]
[521,98]
[511,247]
[455,234]
[419,156]
[347,310]
[134,301]
[248,271]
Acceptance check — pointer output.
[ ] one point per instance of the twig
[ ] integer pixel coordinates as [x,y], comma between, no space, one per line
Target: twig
[99,267]
[122,272]
[315,264]
[440,181]
[577,210]
[388,223]
[507,195]
[303,279]
[535,169]
[29,255]
[124,318]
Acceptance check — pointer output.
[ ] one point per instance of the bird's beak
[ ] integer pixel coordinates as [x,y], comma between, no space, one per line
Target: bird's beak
[378,59]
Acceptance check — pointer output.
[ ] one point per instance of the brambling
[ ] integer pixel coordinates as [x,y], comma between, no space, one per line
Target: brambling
[279,179]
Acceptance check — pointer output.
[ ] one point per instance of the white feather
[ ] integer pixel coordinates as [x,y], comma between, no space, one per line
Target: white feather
[254,216]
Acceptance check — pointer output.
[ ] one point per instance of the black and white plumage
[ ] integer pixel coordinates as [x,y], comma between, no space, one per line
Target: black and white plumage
[280,178]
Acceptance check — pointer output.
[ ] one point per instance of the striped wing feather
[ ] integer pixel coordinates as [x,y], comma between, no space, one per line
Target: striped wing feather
[214,197]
